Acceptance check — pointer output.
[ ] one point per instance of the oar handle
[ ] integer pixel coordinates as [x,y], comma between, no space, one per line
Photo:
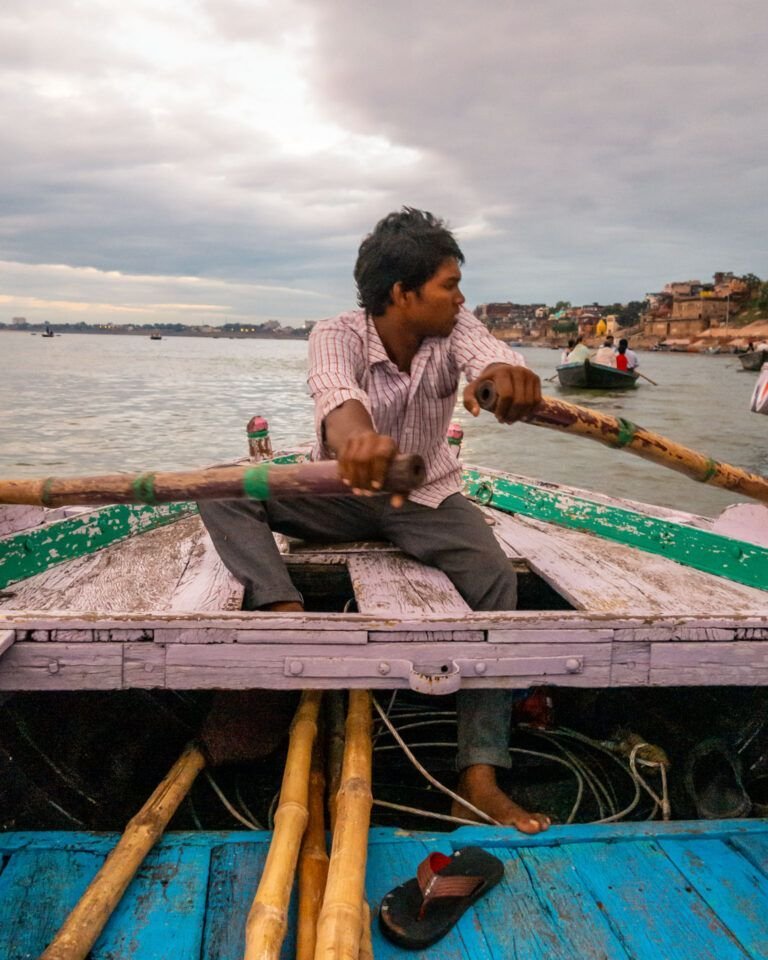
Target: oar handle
[625,435]
[261,481]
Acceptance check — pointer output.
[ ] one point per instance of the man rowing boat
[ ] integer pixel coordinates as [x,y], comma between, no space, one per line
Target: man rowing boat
[384,379]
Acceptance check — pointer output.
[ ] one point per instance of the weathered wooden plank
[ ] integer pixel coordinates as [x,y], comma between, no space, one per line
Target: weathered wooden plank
[729,884]
[234,876]
[143,665]
[576,635]
[599,575]
[299,634]
[172,568]
[62,666]
[545,912]
[652,909]
[630,661]
[26,554]
[6,639]
[740,663]
[738,561]
[238,666]
[164,904]
[548,620]
[38,889]
[395,584]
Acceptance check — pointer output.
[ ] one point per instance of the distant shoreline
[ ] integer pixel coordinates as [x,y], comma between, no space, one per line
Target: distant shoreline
[58,332]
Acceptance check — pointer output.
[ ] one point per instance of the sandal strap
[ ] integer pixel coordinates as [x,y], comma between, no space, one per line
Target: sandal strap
[434,885]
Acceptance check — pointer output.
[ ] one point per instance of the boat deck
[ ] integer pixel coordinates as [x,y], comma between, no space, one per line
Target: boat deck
[640,891]
[612,593]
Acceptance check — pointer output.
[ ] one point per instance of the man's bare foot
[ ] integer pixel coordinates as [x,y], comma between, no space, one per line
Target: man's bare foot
[477,784]
[284,606]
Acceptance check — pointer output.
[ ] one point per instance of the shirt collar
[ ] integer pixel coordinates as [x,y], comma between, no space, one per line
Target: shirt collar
[376,351]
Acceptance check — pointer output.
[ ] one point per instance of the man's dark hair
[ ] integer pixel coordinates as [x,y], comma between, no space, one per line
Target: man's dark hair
[623,344]
[405,247]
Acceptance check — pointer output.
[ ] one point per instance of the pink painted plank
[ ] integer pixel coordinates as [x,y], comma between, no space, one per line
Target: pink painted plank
[395,584]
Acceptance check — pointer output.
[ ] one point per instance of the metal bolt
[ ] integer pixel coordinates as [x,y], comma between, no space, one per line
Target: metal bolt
[481,667]
[53,666]
[295,668]
[384,668]
[573,665]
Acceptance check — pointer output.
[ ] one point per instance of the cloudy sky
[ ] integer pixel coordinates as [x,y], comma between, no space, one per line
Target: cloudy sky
[215,160]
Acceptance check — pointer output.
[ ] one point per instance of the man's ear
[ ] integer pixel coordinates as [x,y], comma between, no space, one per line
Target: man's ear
[397,295]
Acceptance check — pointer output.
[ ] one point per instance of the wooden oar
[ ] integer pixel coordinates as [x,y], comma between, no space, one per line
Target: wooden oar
[625,435]
[646,378]
[262,481]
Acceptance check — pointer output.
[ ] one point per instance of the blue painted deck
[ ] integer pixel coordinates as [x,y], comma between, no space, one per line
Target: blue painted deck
[693,891]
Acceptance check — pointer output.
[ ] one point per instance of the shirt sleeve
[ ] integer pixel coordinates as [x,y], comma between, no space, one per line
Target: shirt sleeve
[336,365]
[474,347]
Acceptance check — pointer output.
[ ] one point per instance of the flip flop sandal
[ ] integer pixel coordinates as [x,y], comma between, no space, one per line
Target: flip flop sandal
[422,910]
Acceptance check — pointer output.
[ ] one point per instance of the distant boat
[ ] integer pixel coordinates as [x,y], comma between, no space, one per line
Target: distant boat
[754,359]
[48,332]
[595,376]
[155,336]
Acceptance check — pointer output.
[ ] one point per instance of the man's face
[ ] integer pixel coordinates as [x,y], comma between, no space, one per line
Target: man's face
[433,308]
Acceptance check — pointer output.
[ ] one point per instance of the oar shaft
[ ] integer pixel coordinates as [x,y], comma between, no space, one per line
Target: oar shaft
[263,481]
[625,435]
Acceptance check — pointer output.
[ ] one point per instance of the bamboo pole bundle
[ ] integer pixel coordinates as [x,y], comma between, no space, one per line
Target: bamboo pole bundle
[625,435]
[261,481]
[341,918]
[81,929]
[268,917]
[313,860]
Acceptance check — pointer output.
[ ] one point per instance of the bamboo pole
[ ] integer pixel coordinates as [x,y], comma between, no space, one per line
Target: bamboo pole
[313,860]
[81,929]
[624,435]
[339,928]
[268,917]
[335,717]
[261,481]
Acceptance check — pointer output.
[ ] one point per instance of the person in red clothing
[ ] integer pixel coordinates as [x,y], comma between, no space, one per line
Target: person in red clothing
[621,357]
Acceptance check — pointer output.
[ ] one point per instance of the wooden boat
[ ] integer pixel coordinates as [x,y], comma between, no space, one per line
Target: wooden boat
[753,359]
[613,594]
[594,376]
[155,336]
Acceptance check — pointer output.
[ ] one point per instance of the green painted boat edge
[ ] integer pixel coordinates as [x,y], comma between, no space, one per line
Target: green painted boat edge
[33,551]
[704,550]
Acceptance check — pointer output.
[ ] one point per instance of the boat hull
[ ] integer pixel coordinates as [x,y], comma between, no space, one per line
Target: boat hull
[594,376]
[754,359]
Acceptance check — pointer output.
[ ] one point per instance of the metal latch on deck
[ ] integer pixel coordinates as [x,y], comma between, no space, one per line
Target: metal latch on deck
[437,678]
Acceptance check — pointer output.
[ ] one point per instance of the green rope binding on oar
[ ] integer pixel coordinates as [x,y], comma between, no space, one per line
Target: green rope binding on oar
[712,467]
[256,482]
[626,433]
[143,488]
[45,491]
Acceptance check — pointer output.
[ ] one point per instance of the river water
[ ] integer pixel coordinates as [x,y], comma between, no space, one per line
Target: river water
[98,404]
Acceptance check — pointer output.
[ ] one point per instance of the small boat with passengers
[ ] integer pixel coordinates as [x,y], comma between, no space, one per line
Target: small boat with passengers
[117,590]
[588,375]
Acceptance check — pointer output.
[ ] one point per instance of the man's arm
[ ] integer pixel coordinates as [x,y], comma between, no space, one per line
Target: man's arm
[364,455]
[518,391]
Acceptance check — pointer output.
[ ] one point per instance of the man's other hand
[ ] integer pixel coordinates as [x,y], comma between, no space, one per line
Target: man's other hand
[518,391]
